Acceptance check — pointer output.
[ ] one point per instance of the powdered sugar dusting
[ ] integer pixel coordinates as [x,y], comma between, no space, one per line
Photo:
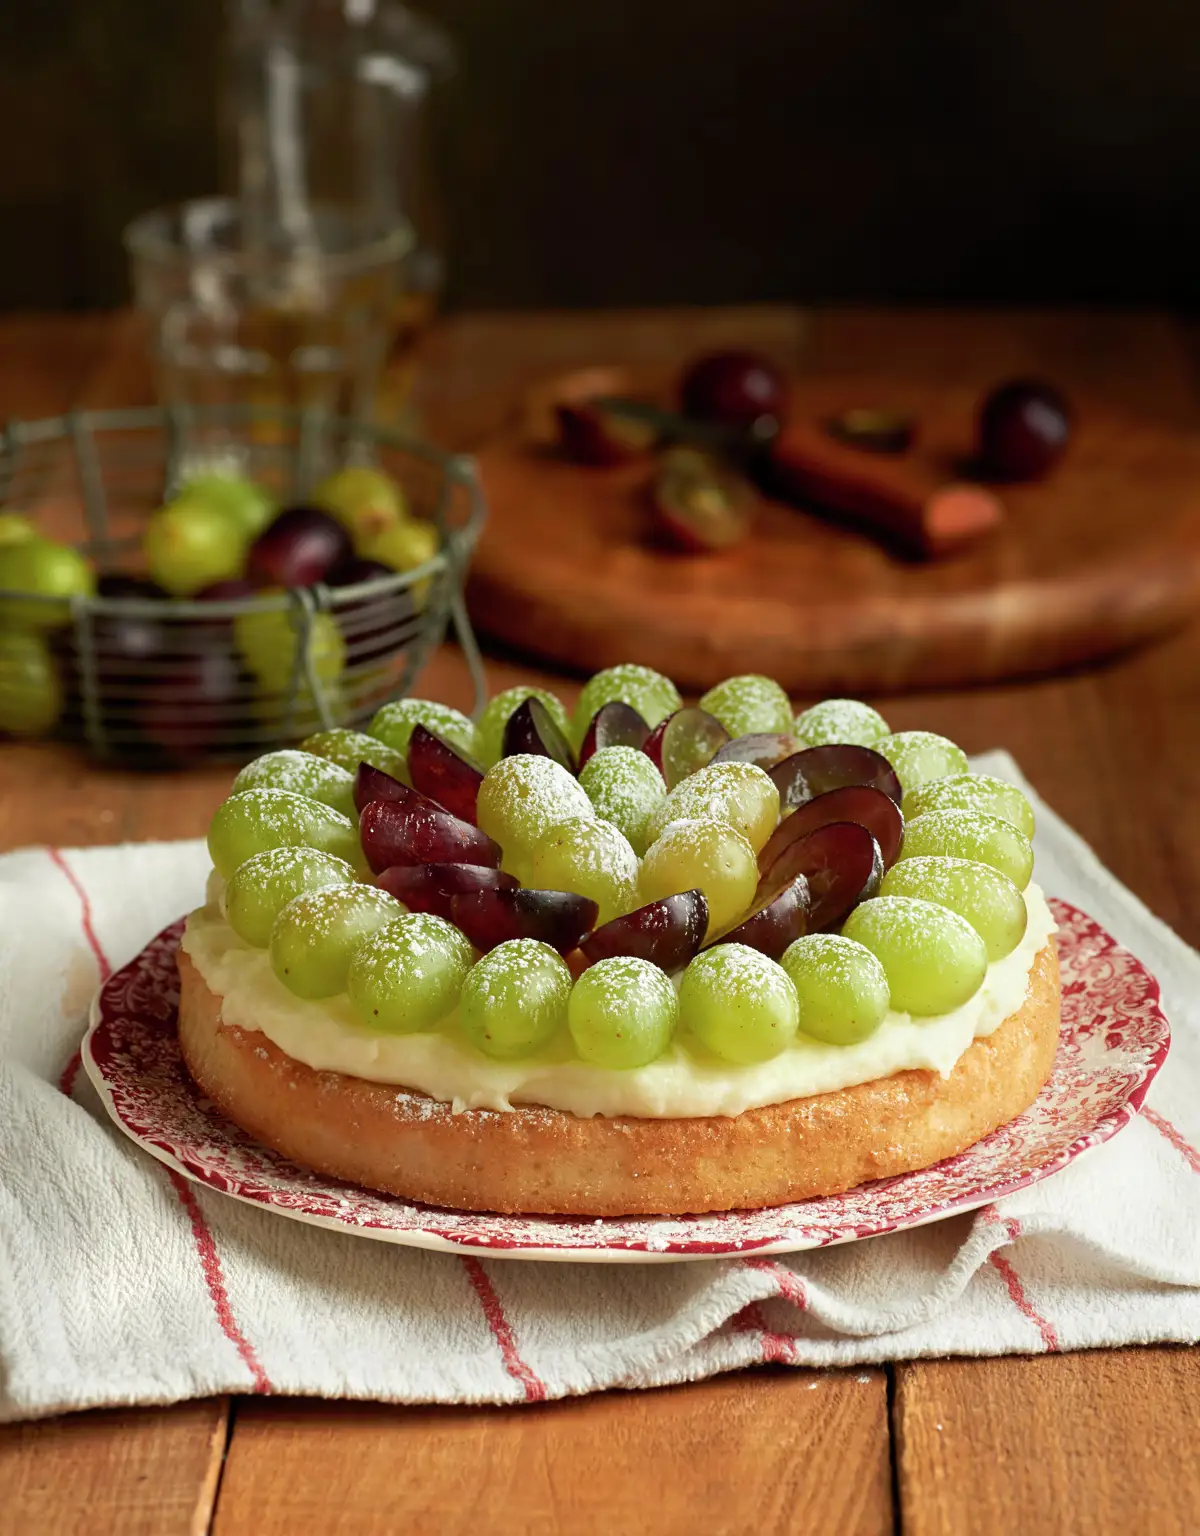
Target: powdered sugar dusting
[972,792]
[836,721]
[523,796]
[625,788]
[642,688]
[300,773]
[739,794]
[393,724]
[749,703]
[918,756]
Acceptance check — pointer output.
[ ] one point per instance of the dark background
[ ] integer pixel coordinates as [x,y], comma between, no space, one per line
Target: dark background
[656,151]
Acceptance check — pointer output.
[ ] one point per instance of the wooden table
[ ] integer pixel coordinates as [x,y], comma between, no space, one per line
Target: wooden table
[1086,1442]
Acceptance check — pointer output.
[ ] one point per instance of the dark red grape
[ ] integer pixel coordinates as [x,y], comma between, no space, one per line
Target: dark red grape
[763,748]
[841,863]
[734,388]
[558,918]
[862,803]
[116,584]
[1024,428]
[185,709]
[613,725]
[375,626]
[684,743]
[232,590]
[591,434]
[531,729]
[299,547]
[667,932]
[699,504]
[432,887]
[418,832]
[775,922]
[372,783]
[443,773]
[816,770]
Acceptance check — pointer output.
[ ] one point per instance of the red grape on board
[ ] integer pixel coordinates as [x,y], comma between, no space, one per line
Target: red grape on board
[734,388]
[1024,429]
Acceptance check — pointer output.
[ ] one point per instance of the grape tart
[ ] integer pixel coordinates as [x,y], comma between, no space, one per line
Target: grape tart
[649,960]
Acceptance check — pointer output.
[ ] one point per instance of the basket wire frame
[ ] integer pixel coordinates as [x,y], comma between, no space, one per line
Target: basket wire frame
[157,681]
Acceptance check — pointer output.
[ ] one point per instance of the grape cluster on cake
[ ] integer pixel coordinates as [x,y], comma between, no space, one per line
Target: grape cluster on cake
[730,878]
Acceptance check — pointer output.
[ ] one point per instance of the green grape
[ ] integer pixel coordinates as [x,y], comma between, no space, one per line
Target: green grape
[404,546]
[489,736]
[316,936]
[988,900]
[591,858]
[841,986]
[270,644]
[259,889]
[522,797]
[627,789]
[302,774]
[650,693]
[748,704]
[710,856]
[622,1013]
[190,544]
[364,500]
[247,504]
[918,756]
[44,570]
[258,819]
[971,835]
[933,959]
[15,529]
[835,721]
[739,1003]
[30,692]
[514,1000]
[348,748]
[393,724]
[739,794]
[972,792]
[408,977]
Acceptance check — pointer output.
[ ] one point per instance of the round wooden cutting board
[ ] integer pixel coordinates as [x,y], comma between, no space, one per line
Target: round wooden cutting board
[1102,554]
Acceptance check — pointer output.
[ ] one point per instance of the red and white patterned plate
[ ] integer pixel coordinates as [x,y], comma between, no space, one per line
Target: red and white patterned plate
[1114,1039]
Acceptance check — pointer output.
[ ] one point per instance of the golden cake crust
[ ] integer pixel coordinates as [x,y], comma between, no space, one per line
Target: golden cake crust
[544,1160]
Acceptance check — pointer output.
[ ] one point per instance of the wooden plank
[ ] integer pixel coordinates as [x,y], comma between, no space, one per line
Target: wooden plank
[127,1471]
[1096,1442]
[764,1452]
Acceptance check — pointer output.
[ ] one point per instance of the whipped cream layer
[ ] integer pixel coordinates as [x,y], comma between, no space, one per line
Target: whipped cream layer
[686,1081]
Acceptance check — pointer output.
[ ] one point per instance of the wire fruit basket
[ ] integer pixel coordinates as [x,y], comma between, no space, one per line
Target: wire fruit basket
[156,681]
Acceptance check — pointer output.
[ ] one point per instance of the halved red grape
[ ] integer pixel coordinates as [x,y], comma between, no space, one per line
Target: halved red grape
[373,784]
[299,547]
[592,434]
[816,770]
[443,773]
[666,932]
[616,724]
[763,748]
[433,887]
[862,803]
[684,743]
[841,863]
[419,832]
[531,729]
[776,921]
[700,504]
[558,918]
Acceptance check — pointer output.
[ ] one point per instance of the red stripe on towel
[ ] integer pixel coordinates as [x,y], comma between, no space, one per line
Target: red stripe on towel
[534,1388]
[1016,1290]
[206,1247]
[1164,1127]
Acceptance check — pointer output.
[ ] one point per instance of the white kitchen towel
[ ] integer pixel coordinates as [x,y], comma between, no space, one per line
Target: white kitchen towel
[121,1282]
